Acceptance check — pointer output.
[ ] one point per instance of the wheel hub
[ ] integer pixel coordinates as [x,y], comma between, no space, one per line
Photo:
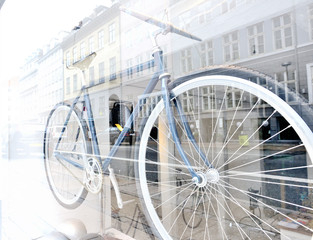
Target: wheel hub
[212,175]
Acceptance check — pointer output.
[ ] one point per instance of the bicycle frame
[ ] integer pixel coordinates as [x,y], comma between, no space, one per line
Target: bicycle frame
[158,75]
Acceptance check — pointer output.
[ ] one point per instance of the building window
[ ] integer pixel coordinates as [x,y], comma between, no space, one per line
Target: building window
[228,5]
[231,46]
[208,98]
[91,76]
[188,101]
[256,39]
[253,99]
[75,56]
[112,68]
[150,63]
[101,72]
[112,33]
[233,98]
[139,68]
[311,20]
[82,50]
[129,67]
[101,39]
[68,59]
[206,51]
[186,60]
[75,83]
[91,45]
[282,31]
[68,85]
[288,82]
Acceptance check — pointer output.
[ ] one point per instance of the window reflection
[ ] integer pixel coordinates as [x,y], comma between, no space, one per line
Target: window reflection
[269,44]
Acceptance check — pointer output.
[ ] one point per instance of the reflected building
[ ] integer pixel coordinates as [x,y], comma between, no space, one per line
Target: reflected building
[51,81]
[28,88]
[277,41]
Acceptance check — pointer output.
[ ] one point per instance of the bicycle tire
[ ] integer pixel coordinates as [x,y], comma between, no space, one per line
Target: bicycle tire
[245,162]
[66,181]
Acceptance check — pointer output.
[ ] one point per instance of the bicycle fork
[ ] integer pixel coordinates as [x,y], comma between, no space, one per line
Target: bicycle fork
[199,178]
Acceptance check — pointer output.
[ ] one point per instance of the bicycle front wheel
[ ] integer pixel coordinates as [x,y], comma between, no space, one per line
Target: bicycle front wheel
[251,137]
[65,165]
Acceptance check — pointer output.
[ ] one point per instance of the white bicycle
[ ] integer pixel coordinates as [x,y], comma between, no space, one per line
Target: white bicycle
[218,126]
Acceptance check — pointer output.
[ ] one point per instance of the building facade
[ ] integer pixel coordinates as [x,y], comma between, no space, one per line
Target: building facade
[50,85]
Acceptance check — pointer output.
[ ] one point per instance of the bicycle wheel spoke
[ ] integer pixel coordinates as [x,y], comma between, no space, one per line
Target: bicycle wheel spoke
[229,212]
[255,132]
[256,146]
[265,157]
[216,123]
[271,182]
[229,130]
[235,131]
[182,203]
[249,214]
[172,141]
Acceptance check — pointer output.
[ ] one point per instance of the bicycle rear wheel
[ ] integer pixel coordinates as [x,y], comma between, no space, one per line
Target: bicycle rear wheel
[66,178]
[240,127]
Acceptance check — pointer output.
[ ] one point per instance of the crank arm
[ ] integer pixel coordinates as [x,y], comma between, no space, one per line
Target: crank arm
[116,188]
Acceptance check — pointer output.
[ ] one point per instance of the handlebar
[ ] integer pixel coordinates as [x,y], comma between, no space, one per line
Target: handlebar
[166,26]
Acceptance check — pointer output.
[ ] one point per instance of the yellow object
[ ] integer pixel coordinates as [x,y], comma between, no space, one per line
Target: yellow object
[243,140]
[119,127]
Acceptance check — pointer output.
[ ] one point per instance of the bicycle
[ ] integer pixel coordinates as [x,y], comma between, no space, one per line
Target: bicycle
[252,220]
[198,119]
[253,206]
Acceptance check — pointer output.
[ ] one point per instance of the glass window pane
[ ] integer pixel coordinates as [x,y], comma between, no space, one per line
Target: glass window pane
[287,19]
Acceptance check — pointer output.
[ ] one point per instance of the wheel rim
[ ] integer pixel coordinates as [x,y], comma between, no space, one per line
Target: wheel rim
[217,185]
[66,181]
